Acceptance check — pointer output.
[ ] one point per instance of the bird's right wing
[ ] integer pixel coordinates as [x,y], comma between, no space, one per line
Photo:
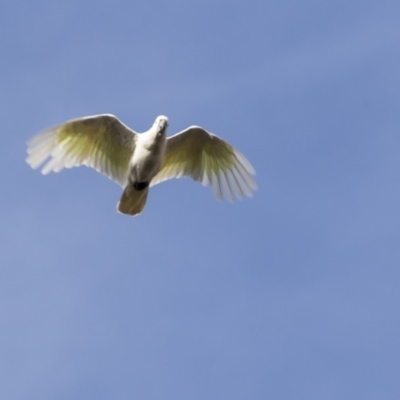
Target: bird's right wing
[101,142]
[207,159]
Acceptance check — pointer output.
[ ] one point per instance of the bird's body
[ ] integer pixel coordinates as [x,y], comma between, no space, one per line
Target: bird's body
[138,161]
[143,167]
[148,155]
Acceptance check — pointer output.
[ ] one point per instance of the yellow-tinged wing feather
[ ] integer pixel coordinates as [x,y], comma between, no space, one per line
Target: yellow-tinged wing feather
[207,159]
[101,142]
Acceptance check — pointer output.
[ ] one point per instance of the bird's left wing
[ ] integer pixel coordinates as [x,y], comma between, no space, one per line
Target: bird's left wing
[207,159]
[101,142]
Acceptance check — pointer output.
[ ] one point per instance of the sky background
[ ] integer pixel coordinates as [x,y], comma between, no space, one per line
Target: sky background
[293,294]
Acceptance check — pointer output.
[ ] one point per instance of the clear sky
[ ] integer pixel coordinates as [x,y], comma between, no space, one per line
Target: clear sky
[293,294]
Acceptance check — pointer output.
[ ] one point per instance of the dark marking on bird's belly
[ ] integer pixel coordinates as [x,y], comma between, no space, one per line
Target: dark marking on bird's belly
[140,185]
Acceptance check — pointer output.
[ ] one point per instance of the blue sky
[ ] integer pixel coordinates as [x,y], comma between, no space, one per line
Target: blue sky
[290,295]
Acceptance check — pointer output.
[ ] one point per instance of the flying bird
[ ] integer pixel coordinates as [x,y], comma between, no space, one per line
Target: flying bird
[139,161]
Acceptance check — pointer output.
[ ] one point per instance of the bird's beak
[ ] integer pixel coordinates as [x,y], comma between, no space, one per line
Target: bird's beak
[163,125]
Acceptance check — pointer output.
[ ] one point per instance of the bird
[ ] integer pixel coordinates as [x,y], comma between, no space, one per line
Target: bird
[138,161]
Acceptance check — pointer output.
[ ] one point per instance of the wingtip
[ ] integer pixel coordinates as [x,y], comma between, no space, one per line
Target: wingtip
[245,162]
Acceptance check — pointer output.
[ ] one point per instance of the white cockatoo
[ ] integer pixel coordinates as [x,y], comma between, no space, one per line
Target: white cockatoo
[138,161]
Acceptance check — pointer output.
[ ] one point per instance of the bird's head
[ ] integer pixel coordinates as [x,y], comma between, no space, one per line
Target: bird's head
[161,125]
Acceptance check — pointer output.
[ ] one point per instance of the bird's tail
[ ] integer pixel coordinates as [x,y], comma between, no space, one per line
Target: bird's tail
[132,200]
